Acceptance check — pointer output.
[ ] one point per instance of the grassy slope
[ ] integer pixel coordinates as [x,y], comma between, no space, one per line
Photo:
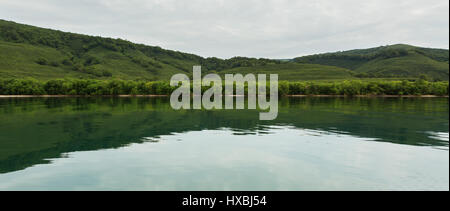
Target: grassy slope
[412,64]
[22,46]
[396,60]
[18,61]
[19,55]
[296,72]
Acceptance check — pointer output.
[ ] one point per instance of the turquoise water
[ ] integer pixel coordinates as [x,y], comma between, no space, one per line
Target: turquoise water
[142,144]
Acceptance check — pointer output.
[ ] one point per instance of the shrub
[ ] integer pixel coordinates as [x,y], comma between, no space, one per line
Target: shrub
[42,61]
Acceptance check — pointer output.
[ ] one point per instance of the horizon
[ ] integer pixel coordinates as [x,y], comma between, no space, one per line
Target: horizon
[276,30]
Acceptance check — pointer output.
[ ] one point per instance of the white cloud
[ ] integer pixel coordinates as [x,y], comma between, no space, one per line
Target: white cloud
[254,28]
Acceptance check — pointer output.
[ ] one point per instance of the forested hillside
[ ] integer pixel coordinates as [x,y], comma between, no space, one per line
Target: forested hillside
[44,54]
[27,51]
[388,61]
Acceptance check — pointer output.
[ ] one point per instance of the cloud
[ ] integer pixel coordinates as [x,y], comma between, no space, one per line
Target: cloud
[254,28]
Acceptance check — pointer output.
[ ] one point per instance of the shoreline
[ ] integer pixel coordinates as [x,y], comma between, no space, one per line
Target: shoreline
[374,96]
[58,96]
[293,96]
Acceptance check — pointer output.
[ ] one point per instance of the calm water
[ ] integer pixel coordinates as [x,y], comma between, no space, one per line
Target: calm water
[142,144]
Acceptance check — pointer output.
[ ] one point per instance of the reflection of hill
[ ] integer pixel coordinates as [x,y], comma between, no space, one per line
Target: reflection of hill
[32,130]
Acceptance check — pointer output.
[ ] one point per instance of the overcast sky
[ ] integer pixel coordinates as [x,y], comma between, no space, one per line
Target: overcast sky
[252,28]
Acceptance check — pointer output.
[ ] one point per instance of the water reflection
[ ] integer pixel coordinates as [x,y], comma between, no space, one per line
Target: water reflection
[286,158]
[33,130]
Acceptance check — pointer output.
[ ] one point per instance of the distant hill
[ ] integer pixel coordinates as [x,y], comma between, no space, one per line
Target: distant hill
[28,51]
[388,61]
[291,71]
[33,52]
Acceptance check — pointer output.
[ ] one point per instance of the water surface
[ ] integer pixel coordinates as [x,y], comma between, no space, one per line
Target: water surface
[142,144]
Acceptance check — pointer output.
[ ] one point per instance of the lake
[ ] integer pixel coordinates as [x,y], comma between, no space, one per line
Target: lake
[106,143]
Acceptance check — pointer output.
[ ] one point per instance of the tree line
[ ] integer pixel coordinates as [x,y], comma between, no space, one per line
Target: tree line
[122,87]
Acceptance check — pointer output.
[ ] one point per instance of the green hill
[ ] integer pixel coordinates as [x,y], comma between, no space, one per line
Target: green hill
[296,72]
[44,54]
[28,51]
[388,61]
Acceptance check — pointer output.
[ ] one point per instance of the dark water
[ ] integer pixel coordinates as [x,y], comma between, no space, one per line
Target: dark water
[142,144]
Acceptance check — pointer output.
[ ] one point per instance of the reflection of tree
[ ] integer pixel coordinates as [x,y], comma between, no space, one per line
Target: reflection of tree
[35,129]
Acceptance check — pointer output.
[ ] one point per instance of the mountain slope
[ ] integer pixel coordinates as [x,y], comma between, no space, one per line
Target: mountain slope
[28,51]
[33,52]
[44,53]
[388,61]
